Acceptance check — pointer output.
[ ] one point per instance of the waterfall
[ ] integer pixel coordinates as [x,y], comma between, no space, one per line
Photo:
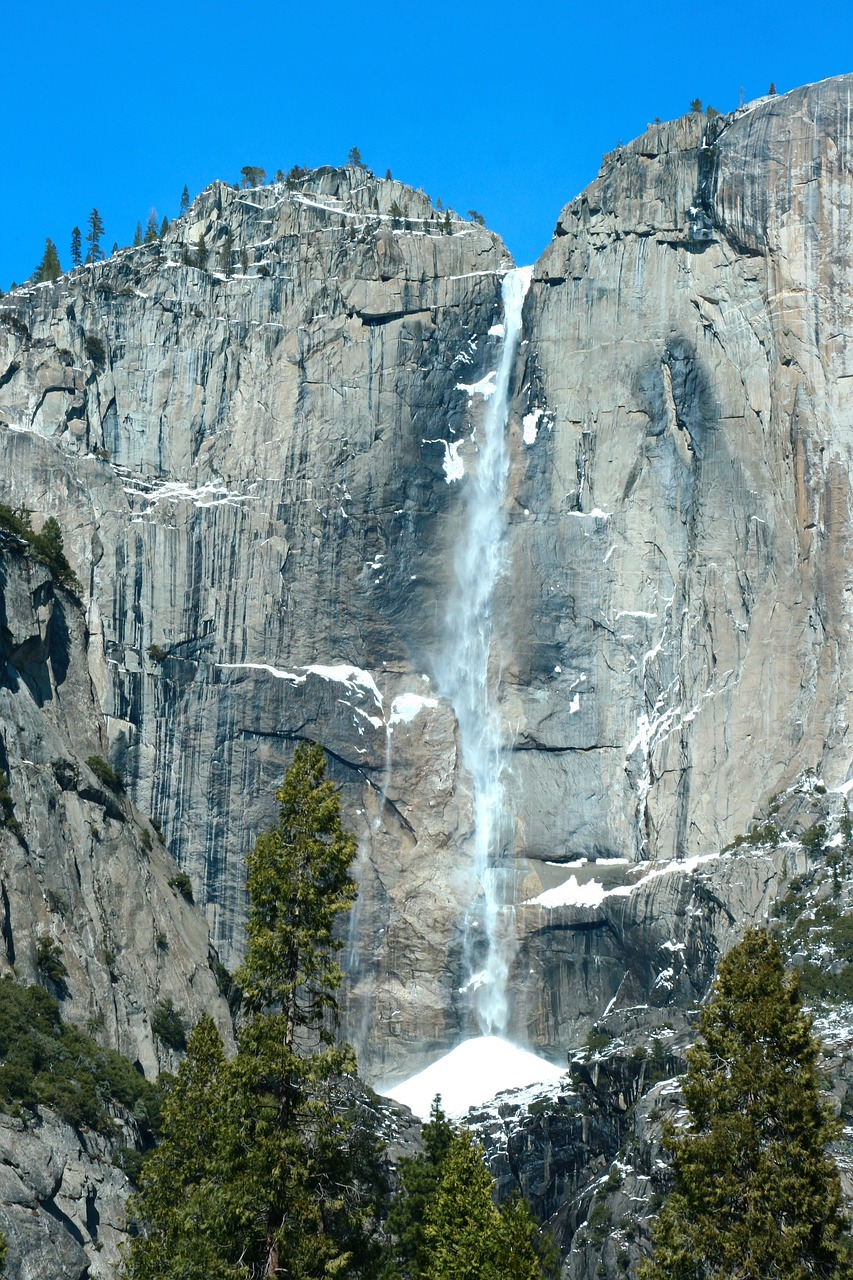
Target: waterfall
[465,680]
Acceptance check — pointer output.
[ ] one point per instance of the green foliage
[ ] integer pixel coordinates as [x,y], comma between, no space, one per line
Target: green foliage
[157,653]
[465,1234]
[49,961]
[185,200]
[696,106]
[96,351]
[759,833]
[598,1039]
[164,227]
[151,228]
[354,159]
[137,236]
[50,1063]
[46,547]
[105,774]
[252,175]
[76,247]
[168,1024]
[813,839]
[419,1178]
[182,883]
[94,231]
[755,1194]
[267,1166]
[201,253]
[49,268]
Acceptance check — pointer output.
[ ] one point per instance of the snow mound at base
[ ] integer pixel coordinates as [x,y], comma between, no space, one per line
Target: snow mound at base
[472,1074]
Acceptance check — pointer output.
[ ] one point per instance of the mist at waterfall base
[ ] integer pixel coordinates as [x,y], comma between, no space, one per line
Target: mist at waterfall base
[473,1073]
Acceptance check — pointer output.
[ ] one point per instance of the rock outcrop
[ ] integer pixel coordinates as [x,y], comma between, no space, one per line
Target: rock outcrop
[81,872]
[257,457]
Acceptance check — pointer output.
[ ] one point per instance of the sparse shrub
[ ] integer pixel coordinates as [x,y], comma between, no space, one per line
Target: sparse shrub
[96,352]
[157,653]
[599,1038]
[102,771]
[814,839]
[49,960]
[168,1025]
[47,1061]
[183,885]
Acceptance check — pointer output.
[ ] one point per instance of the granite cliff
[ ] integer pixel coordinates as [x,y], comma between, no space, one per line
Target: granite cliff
[260,462]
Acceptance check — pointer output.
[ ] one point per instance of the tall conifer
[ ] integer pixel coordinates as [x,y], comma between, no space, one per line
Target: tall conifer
[756,1194]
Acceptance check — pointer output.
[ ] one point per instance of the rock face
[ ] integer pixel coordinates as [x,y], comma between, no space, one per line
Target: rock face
[80,869]
[257,459]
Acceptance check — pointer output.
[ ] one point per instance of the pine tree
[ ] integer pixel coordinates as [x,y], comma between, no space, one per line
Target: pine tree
[151,227]
[755,1194]
[190,1212]
[354,160]
[49,268]
[76,247]
[164,226]
[94,231]
[185,200]
[465,1234]
[137,236]
[419,1178]
[252,175]
[201,252]
[267,1167]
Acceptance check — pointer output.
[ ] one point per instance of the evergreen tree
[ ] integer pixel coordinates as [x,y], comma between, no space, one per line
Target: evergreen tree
[164,226]
[755,1195]
[253,175]
[151,227]
[466,1236]
[185,200]
[267,1167]
[94,231]
[201,252]
[354,159]
[419,1179]
[137,236]
[191,1214]
[76,247]
[49,268]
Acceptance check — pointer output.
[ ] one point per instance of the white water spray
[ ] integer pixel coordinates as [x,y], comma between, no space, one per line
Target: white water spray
[465,681]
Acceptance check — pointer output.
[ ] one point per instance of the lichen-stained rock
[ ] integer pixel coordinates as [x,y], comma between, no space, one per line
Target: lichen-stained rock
[81,872]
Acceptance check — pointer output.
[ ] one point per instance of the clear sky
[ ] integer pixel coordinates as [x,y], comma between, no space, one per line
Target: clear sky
[503,108]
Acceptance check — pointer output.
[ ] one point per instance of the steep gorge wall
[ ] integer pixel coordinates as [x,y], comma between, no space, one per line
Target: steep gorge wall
[253,472]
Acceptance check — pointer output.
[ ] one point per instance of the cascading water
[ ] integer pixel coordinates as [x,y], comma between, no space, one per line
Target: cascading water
[464,677]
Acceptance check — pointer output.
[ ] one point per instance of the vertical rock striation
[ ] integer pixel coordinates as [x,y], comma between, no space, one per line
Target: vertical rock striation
[259,466]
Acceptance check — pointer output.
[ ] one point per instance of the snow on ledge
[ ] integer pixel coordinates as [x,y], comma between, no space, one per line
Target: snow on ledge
[354,679]
[571,893]
[472,1074]
[406,706]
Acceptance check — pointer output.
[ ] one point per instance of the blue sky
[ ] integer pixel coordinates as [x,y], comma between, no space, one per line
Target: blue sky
[504,108]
